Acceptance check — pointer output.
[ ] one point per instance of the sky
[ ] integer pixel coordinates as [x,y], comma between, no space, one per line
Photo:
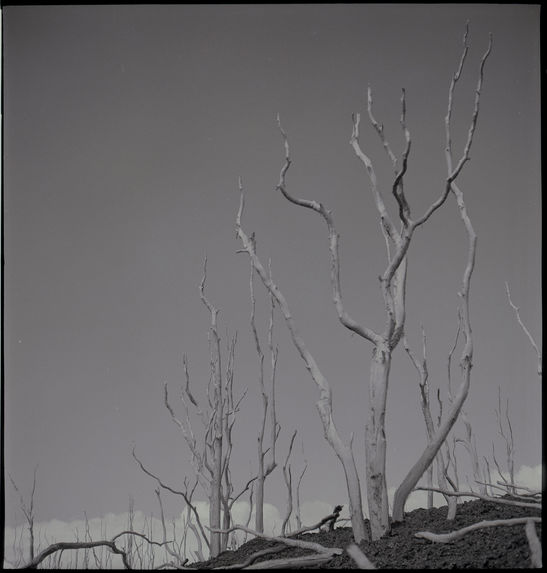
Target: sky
[125,131]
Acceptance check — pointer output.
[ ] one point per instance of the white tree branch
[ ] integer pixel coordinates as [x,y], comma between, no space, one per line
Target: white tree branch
[362,561]
[526,331]
[482,496]
[535,545]
[453,535]
[319,208]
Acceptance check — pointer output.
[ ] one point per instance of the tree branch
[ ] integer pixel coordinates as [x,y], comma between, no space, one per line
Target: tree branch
[319,208]
[526,331]
[453,535]
[481,496]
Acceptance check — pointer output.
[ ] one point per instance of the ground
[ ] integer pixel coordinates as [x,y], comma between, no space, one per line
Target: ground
[491,548]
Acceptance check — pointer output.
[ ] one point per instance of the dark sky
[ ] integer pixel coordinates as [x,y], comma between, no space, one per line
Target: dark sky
[125,131]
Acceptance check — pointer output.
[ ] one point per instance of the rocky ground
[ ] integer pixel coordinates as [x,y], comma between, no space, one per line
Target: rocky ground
[500,547]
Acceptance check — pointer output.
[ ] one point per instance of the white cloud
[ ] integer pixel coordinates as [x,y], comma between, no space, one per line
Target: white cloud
[530,477]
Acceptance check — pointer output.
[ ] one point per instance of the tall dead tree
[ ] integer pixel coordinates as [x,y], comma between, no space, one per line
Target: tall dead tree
[466,360]
[442,467]
[28,511]
[393,288]
[265,467]
[212,453]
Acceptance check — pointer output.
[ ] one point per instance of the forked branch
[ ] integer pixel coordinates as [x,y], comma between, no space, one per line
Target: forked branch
[319,208]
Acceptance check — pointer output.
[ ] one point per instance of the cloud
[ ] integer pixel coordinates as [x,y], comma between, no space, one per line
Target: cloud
[530,477]
[527,476]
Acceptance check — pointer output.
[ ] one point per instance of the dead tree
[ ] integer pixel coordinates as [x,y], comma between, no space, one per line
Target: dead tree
[265,468]
[507,436]
[297,491]
[466,360]
[28,511]
[287,476]
[211,452]
[442,467]
[392,283]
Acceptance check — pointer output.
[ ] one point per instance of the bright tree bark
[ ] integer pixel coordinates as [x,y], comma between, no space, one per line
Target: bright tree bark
[265,468]
[466,360]
[393,289]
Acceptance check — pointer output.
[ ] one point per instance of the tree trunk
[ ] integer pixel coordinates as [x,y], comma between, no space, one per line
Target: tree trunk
[376,442]
[354,494]
[259,516]
[215,497]
[430,452]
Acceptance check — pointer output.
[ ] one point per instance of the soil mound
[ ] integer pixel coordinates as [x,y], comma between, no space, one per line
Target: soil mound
[502,547]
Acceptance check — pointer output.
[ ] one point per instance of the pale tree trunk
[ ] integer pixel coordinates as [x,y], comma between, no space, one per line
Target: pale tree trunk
[268,406]
[215,496]
[392,281]
[215,493]
[28,511]
[211,458]
[375,443]
[430,427]
[287,475]
[297,514]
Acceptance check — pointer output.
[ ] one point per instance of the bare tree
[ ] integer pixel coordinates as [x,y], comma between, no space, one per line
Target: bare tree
[287,475]
[211,453]
[466,360]
[507,435]
[442,468]
[268,407]
[393,289]
[28,510]
[297,491]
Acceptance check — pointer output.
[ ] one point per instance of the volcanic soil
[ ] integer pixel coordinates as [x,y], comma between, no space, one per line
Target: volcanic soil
[501,547]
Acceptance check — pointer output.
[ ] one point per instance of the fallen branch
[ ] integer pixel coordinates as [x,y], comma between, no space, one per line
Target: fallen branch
[535,545]
[515,486]
[322,554]
[331,519]
[359,557]
[286,540]
[111,544]
[453,535]
[481,496]
[252,558]
[295,562]
[505,487]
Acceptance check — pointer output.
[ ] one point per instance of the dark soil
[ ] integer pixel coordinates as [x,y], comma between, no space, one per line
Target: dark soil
[489,548]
